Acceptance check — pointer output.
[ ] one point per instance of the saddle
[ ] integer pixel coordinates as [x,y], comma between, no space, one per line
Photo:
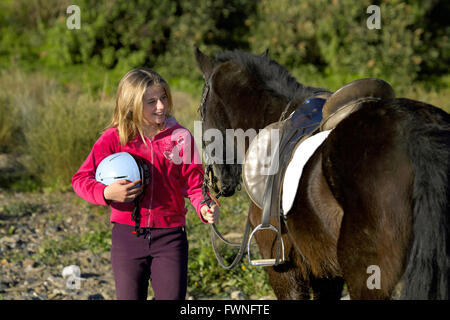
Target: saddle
[349,98]
[322,112]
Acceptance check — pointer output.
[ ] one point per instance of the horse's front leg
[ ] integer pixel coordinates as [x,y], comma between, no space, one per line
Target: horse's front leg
[290,280]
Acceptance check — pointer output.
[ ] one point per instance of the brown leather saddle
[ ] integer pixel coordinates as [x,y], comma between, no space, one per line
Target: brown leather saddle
[266,193]
[349,98]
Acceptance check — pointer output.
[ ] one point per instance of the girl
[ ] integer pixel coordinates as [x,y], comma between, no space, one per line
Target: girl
[142,125]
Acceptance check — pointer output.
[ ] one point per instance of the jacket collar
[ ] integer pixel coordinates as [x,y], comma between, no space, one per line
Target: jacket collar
[169,123]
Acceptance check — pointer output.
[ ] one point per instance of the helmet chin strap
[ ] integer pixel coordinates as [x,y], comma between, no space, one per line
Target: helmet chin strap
[145,180]
[136,217]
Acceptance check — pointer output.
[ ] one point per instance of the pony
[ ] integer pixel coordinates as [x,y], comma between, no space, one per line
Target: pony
[375,193]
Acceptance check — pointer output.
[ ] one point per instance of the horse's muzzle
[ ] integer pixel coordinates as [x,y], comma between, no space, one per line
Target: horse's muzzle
[227,191]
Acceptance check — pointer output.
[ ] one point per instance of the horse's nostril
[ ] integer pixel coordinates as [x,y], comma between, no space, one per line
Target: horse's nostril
[227,191]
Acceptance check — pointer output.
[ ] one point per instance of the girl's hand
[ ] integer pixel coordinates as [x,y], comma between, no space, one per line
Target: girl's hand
[123,191]
[210,214]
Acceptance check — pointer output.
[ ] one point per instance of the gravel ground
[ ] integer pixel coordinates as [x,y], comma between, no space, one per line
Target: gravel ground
[30,223]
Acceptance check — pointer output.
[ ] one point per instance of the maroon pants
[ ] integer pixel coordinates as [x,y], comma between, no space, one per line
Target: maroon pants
[160,255]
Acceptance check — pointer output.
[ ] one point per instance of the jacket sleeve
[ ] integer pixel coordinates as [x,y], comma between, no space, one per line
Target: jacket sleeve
[192,174]
[83,181]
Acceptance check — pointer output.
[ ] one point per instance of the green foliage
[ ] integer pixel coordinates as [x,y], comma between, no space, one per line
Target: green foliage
[129,33]
[121,34]
[331,37]
[24,25]
[325,37]
[219,25]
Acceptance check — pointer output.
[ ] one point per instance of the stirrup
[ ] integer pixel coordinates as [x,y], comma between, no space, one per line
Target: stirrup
[265,262]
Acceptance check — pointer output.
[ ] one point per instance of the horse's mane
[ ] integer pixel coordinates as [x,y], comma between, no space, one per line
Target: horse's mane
[273,76]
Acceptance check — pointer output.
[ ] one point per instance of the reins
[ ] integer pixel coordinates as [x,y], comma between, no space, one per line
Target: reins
[215,232]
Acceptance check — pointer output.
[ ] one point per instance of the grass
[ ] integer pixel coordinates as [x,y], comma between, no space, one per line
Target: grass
[56,252]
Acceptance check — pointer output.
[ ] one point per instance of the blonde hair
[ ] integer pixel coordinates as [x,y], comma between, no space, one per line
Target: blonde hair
[127,115]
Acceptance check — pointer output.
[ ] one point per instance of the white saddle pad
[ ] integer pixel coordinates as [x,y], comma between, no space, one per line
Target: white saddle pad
[259,165]
[293,173]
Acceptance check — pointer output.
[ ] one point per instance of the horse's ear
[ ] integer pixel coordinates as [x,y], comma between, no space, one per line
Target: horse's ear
[205,63]
[265,53]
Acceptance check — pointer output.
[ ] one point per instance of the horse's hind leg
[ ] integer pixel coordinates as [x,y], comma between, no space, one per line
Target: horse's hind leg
[372,256]
[371,177]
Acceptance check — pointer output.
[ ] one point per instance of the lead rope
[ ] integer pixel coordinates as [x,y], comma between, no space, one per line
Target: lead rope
[242,246]
[208,201]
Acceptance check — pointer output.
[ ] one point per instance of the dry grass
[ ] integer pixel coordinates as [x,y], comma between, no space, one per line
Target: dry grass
[439,99]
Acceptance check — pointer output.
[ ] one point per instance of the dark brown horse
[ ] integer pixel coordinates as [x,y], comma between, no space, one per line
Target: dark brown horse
[376,192]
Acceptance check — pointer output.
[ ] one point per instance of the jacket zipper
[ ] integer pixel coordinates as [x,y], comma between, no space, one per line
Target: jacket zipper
[151,185]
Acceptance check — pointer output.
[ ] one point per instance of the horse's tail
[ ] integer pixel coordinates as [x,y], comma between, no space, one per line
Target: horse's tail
[428,266]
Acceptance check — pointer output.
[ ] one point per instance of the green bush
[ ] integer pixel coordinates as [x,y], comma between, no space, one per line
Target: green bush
[331,37]
[121,34]
[328,37]
[24,25]
[217,25]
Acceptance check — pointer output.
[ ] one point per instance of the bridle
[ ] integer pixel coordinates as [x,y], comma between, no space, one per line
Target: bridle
[209,180]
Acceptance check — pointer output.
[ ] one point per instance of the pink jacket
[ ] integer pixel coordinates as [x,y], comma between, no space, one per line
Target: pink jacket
[175,168]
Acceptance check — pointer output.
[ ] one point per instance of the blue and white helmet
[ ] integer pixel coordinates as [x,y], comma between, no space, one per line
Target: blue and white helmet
[120,166]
